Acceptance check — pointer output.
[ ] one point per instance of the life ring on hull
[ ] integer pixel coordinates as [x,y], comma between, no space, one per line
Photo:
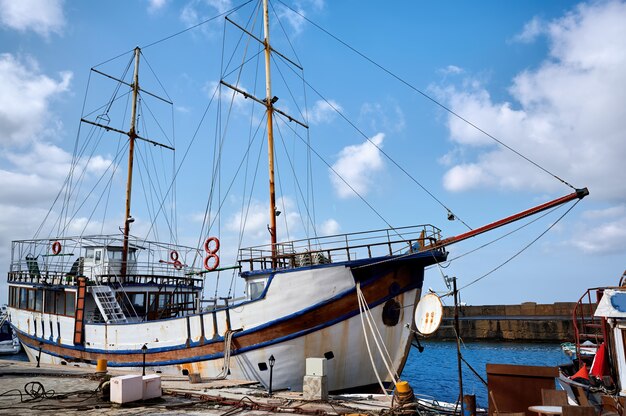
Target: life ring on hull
[174,256]
[207,262]
[56,248]
[208,243]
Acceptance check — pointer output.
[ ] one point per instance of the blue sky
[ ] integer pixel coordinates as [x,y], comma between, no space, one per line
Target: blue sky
[546,78]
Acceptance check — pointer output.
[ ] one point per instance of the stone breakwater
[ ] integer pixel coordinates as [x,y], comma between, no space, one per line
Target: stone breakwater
[528,322]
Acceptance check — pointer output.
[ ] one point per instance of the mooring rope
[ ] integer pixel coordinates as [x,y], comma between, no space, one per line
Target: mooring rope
[364,310]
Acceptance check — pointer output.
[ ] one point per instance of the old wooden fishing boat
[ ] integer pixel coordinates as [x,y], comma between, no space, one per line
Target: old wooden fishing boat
[75,299]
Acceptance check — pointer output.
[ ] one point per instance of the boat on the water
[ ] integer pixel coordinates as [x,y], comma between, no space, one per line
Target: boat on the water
[598,377]
[9,343]
[135,302]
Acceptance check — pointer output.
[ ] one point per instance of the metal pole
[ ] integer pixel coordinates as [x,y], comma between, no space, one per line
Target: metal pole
[458,343]
[144,349]
[270,131]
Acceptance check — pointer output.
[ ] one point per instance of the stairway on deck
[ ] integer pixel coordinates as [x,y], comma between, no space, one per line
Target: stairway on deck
[107,303]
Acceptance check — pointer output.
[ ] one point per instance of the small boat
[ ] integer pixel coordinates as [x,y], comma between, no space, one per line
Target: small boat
[598,375]
[587,349]
[142,302]
[9,342]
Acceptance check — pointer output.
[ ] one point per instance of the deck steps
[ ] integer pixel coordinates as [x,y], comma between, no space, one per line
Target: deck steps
[108,304]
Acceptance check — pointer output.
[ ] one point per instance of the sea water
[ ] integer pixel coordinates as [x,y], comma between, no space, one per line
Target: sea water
[434,372]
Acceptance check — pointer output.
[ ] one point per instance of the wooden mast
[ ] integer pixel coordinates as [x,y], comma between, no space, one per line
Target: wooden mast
[132,135]
[270,130]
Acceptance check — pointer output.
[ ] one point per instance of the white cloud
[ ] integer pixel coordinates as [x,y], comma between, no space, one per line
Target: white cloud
[330,227]
[531,31]
[197,11]
[323,111]
[451,70]
[25,98]
[358,165]
[388,117]
[256,219]
[295,19]
[41,16]
[156,5]
[601,231]
[567,115]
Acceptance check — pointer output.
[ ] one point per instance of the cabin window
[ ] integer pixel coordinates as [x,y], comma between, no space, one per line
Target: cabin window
[49,302]
[137,302]
[39,300]
[70,303]
[255,289]
[98,256]
[114,255]
[60,303]
[23,298]
[13,297]
[89,253]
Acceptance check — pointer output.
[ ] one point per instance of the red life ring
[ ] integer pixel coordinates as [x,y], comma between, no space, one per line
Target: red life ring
[174,256]
[177,264]
[56,248]
[207,245]
[211,267]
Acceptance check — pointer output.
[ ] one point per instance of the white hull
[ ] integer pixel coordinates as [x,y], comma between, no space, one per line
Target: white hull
[272,321]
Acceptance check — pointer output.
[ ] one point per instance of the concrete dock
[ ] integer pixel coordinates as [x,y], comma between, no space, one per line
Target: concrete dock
[26,389]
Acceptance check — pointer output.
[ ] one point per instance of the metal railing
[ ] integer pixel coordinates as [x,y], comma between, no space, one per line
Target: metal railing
[341,247]
[39,261]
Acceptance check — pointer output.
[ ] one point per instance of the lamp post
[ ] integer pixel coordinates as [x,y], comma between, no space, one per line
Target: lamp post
[39,355]
[143,350]
[271,362]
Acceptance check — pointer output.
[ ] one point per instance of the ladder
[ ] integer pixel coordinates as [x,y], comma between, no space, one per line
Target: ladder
[108,305]
[586,325]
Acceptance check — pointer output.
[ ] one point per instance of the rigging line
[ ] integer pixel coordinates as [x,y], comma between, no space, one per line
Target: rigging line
[256,175]
[250,137]
[287,87]
[109,187]
[341,177]
[97,204]
[234,9]
[523,248]
[239,67]
[95,145]
[174,205]
[354,126]
[154,192]
[501,237]
[310,187]
[145,59]
[218,152]
[295,176]
[440,267]
[104,106]
[280,23]
[231,184]
[193,138]
[69,174]
[112,164]
[155,120]
[280,186]
[80,181]
[239,41]
[428,97]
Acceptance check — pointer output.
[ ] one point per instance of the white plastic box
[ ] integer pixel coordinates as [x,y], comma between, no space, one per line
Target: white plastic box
[151,386]
[316,366]
[126,389]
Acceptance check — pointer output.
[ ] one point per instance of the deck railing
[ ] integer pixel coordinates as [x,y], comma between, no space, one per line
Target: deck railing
[39,261]
[340,248]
